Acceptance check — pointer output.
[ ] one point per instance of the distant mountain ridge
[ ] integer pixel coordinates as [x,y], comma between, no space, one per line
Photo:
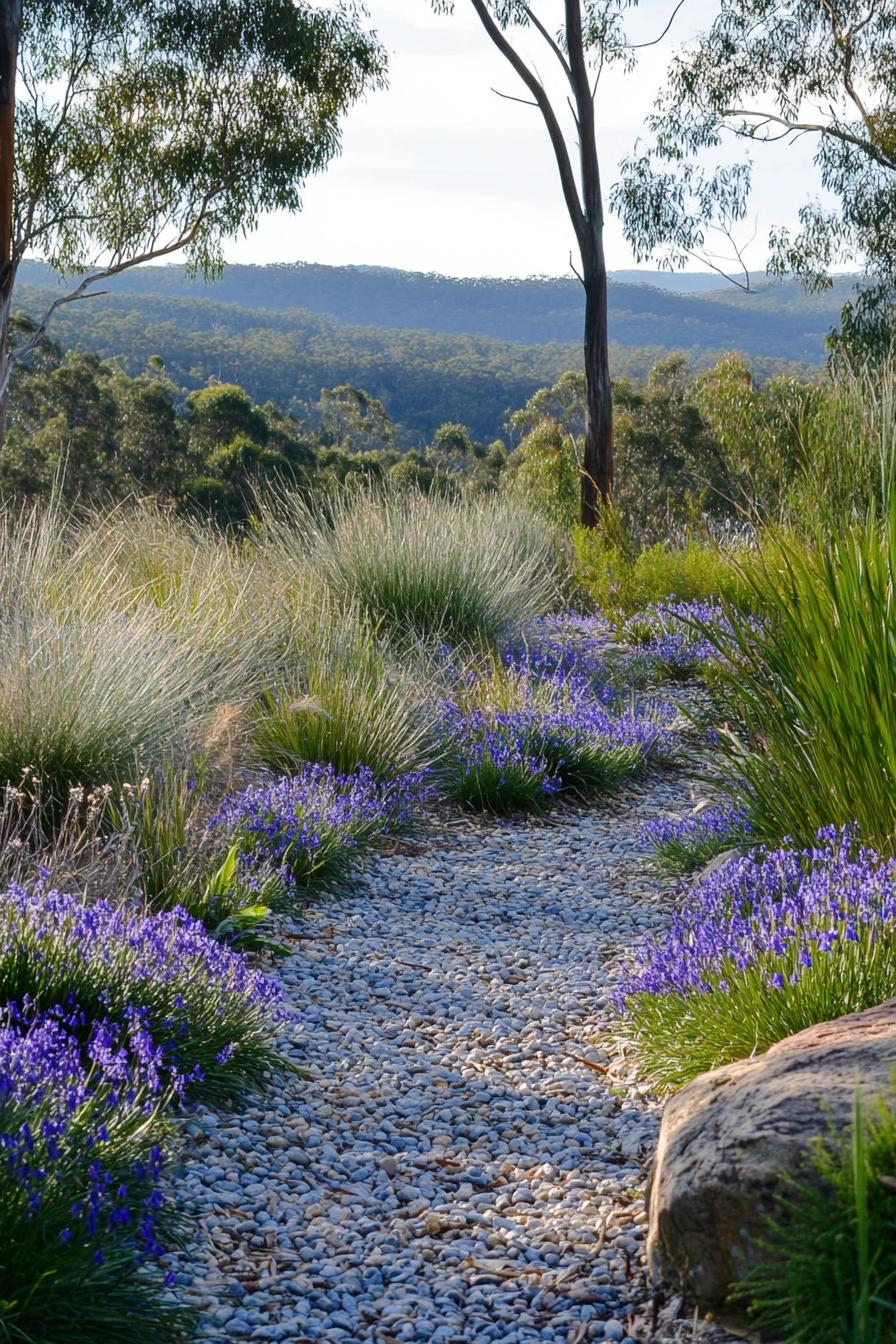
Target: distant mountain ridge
[779,320]
[431,349]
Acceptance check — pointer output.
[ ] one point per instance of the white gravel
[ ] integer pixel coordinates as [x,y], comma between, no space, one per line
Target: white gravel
[467,1161]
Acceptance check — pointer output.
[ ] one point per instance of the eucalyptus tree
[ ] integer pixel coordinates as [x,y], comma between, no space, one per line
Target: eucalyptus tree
[132,130]
[583,39]
[766,71]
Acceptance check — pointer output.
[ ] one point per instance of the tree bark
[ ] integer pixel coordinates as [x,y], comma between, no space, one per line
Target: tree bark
[597,463]
[10,32]
[597,457]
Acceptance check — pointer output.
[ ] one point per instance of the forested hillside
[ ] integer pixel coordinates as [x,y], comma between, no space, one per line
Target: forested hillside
[423,377]
[779,320]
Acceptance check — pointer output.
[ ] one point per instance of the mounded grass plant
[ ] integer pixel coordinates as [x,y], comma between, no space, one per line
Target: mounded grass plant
[422,568]
[763,947]
[349,702]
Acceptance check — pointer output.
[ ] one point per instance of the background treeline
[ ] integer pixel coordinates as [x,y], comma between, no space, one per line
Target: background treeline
[692,445]
[422,372]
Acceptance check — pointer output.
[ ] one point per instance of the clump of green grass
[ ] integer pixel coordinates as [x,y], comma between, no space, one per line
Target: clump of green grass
[827,1266]
[808,698]
[348,702]
[425,569]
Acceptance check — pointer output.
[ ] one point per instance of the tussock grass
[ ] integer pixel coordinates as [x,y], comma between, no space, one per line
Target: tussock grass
[421,568]
[348,702]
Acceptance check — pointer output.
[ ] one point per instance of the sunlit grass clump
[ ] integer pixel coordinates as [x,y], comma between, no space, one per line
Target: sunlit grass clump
[349,702]
[423,567]
[809,699]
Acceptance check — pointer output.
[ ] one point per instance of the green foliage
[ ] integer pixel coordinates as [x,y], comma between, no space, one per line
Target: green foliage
[761,431]
[545,472]
[827,1266]
[619,580]
[849,447]
[349,702]
[810,696]
[239,105]
[423,569]
[679,1035]
[784,69]
[671,470]
[85,1291]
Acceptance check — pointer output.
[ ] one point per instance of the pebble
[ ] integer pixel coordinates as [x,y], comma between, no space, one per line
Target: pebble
[455,1169]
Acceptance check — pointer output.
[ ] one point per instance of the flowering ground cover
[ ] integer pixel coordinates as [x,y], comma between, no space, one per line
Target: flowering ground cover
[538,724]
[308,827]
[197,1008]
[673,639]
[111,1020]
[83,1145]
[763,947]
[682,844]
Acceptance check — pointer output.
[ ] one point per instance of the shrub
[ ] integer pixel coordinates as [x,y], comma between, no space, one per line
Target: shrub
[81,1205]
[827,1267]
[423,568]
[620,580]
[309,827]
[205,1011]
[810,699]
[767,945]
[682,844]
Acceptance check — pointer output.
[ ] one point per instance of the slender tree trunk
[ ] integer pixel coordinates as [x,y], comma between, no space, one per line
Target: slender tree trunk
[597,458]
[597,464]
[10,31]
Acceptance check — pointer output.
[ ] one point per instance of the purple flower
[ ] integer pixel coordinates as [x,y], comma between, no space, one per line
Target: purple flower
[778,911]
[304,826]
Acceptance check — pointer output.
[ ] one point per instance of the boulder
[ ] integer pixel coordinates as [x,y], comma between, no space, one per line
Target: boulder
[728,1137]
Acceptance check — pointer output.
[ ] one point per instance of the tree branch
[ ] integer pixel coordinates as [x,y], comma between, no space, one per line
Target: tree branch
[84,291]
[511,98]
[819,128]
[558,142]
[554,46]
[638,46]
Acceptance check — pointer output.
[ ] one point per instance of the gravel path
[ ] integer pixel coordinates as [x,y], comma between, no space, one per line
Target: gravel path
[466,1162]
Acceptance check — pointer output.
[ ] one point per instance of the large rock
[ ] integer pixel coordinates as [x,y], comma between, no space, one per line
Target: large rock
[727,1138]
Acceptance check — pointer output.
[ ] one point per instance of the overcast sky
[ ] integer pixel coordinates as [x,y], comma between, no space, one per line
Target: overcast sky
[437,173]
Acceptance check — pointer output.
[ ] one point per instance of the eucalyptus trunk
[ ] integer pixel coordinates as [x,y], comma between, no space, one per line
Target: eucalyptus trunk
[10,32]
